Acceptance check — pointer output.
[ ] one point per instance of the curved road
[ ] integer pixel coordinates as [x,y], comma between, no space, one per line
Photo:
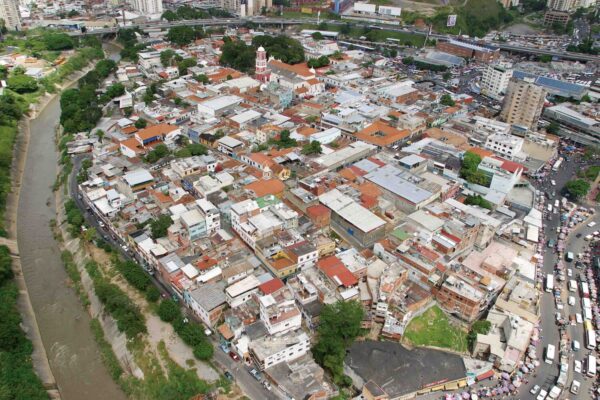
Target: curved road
[63,322]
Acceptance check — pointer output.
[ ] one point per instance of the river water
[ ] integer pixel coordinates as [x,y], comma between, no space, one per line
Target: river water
[63,322]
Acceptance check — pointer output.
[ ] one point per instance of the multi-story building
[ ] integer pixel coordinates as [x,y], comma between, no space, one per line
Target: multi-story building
[261,72]
[148,6]
[272,350]
[561,5]
[494,81]
[468,50]
[523,103]
[246,8]
[279,312]
[9,13]
[461,299]
[505,145]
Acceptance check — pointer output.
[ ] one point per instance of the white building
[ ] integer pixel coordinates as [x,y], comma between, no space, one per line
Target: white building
[218,105]
[272,350]
[148,6]
[9,13]
[494,81]
[505,145]
[242,291]
[504,176]
[279,312]
[211,215]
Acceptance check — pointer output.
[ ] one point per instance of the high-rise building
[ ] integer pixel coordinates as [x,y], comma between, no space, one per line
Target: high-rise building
[494,81]
[246,8]
[523,102]
[9,13]
[261,72]
[148,6]
[560,5]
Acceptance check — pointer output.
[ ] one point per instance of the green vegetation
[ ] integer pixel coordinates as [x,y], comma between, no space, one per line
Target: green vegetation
[187,12]
[407,39]
[183,35]
[141,123]
[74,217]
[160,225]
[586,46]
[590,173]
[17,378]
[340,325]
[578,188]
[284,141]
[168,310]
[192,149]
[21,83]
[553,128]
[479,327]
[135,275]
[313,147]
[478,201]
[476,18]
[129,318]
[236,54]
[589,153]
[157,153]
[433,328]
[73,273]
[106,352]
[469,171]
[446,100]
[184,64]
[281,47]
[128,39]
[320,62]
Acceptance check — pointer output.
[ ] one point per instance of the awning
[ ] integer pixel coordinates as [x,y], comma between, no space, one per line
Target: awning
[485,375]
[451,386]
[462,383]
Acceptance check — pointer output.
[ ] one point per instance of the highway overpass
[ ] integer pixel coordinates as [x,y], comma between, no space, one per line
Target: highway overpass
[286,22]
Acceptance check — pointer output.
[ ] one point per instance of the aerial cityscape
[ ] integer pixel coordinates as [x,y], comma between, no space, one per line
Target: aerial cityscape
[299,199]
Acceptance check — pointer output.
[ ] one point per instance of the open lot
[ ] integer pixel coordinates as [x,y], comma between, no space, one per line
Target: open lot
[434,329]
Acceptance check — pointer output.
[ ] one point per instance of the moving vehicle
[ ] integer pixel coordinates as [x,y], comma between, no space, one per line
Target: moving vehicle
[550,352]
[591,224]
[569,256]
[549,283]
[550,243]
[228,375]
[575,386]
[255,374]
[234,356]
[577,366]
[542,395]
[534,389]
[557,164]
[553,182]
[590,366]
[589,335]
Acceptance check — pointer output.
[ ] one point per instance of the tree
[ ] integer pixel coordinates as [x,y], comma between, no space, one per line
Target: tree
[340,325]
[203,350]
[317,36]
[22,84]
[479,327]
[553,128]
[166,56]
[181,35]
[115,90]
[141,123]
[446,76]
[478,201]
[202,78]
[185,64]
[105,67]
[168,310]
[346,29]
[446,100]
[323,26]
[313,147]
[577,188]
[169,16]
[3,71]
[159,152]
[281,47]
[238,55]
[58,41]
[160,225]
[320,62]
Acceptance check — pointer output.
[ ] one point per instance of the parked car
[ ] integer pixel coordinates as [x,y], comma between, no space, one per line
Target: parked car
[542,395]
[575,387]
[534,389]
[576,345]
[571,300]
[228,375]
[577,366]
[254,372]
[234,356]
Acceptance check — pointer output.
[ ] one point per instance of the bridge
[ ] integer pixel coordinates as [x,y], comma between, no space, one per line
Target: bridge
[287,22]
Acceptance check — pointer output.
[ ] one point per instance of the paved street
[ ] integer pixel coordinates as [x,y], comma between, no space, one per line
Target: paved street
[546,374]
[250,386]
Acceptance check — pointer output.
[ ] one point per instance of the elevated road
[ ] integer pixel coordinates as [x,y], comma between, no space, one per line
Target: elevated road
[287,22]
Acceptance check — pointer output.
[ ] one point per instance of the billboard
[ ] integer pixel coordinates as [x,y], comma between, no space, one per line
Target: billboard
[451,20]
[391,11]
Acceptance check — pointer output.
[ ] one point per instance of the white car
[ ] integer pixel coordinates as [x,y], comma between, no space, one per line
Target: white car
[558,317]
[534,389]
[578,318]
[576,345]
[571,300]
[569,272]
[592,224]
[542,395]
[575,387]
[577,366]
[553,182]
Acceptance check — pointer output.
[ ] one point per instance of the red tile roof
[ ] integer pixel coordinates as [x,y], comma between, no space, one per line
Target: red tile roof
[337,271]
[271,286]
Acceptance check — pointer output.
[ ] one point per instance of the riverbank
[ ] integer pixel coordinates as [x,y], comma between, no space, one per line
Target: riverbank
[39,356]
[41,283]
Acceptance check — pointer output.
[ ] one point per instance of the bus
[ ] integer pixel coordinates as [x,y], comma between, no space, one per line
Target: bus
[586,303]
[549,283]
[587,313]
[589,335]
[556,165]
[585,290]
[550,350]
[590,366]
